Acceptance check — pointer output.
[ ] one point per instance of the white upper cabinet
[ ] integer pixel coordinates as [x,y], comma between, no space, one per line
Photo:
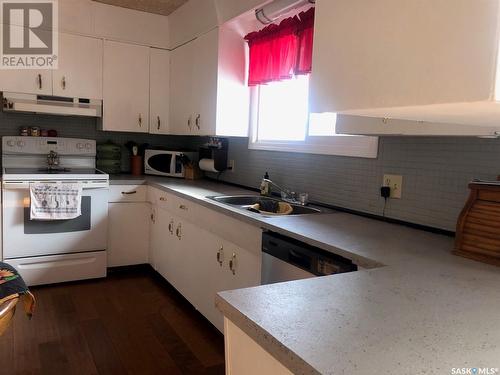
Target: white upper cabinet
[80,67]
[209,92]
[420,60]
[159,91]
[194,86]
[26,81]
[181,83]
[75,16]
[204,89]
[126,87]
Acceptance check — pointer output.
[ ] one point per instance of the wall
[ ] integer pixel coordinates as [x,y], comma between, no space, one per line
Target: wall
[435,175]
[82,127]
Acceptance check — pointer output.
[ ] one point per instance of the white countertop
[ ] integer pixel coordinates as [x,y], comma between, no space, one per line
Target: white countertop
[419,310]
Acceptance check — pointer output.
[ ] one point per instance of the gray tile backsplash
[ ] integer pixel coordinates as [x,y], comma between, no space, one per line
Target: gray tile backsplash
[435,170]
[88,128]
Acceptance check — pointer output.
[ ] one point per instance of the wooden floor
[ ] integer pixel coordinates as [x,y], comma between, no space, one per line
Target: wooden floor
[129,323]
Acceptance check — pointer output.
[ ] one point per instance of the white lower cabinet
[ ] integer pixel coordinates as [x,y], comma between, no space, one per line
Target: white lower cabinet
[128,225]
[128,234]
[245,357]
[198,261]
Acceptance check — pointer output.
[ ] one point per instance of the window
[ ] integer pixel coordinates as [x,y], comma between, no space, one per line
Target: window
[281,122]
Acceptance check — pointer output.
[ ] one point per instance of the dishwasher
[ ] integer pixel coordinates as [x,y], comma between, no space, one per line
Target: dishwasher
[287,259]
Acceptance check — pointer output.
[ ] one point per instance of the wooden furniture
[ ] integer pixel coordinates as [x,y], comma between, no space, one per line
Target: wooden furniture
[478,227]
[7,310]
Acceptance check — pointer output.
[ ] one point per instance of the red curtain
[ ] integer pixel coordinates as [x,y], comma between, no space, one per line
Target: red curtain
[278,52]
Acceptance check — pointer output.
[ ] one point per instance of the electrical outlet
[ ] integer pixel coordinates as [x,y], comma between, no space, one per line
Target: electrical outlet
[231,166]
[395,182]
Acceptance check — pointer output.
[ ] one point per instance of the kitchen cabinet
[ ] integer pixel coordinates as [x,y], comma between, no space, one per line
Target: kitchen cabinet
[37,82]
[126,87]
[412,60]
[128,226]
[208,79]
[194,249]
[79,74]
[159,91]
[245,357]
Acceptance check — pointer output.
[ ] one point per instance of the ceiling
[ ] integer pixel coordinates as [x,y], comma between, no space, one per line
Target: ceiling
[163,7]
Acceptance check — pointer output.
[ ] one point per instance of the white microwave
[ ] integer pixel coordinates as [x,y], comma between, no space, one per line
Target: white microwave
[167,163]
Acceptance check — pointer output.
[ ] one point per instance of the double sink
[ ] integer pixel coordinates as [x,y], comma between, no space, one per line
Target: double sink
[243,202]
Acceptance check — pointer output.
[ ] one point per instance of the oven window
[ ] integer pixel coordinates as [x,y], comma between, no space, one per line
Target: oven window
[160,162]
[78,224]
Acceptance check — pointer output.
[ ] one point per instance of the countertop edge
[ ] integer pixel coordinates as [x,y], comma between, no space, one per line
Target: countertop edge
[264,339]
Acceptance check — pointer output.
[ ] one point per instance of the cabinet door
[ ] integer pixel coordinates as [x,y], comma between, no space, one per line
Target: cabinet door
[126,87]
[162,242]
[181,83]
[159,91]
[80,67]
[204,82]
[26,81]
[128,234]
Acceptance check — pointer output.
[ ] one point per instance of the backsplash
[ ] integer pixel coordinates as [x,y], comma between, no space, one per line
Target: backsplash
[87,128]
[435,170]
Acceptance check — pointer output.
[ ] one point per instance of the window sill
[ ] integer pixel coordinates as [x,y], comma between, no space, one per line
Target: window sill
[351,146]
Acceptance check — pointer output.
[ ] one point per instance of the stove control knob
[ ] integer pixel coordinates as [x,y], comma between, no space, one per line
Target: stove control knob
[20,143]
[79,146]
[88,146]
[10,143]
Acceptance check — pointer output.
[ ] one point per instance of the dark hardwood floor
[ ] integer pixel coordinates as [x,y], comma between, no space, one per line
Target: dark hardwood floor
[129,323]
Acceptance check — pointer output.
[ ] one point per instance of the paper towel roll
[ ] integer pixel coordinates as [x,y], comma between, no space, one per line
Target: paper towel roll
[208,165]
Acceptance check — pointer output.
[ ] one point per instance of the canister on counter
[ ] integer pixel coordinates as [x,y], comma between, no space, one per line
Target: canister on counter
[24,131]
[35,131]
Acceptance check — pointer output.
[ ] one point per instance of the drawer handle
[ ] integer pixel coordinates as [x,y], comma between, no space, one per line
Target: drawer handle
[171,227]
[232,264]
[178,231]
[129,192]
[183,207]
[163,199]
[220,256]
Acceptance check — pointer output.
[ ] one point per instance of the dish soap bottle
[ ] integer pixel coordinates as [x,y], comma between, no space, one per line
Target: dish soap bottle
[265,186]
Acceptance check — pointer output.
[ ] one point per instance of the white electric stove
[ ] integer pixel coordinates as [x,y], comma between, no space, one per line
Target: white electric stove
[58,250]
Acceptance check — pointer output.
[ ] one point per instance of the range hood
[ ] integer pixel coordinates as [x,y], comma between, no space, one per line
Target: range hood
[52,105]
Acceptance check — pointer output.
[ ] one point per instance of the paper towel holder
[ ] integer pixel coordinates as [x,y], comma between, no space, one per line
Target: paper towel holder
[216,149]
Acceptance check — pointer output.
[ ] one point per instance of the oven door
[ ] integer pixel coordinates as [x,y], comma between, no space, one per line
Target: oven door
[23,237]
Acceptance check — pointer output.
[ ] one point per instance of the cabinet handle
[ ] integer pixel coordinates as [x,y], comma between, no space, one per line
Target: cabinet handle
[178,231]
[129,192]
[171,227]
[163,199]
[232,264]
[140,120]
[189,122]
[153,217]
[39,81]
[63,83]
[183,207]
[197,121]
[220,256]
[159,123]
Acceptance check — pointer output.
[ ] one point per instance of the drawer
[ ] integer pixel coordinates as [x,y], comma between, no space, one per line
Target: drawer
[159,198]
[127,193]
[183,208]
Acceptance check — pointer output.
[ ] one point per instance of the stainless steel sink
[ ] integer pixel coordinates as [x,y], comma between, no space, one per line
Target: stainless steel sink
[245,201]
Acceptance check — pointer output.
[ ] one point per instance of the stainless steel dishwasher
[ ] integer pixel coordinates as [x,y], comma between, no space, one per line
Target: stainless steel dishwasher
[286,259]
